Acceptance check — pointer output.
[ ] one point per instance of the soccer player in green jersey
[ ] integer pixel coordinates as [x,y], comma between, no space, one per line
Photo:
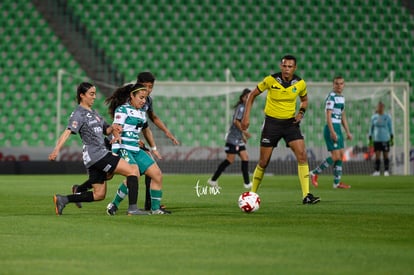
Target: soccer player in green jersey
[334,139]
[126,106]
[282,121]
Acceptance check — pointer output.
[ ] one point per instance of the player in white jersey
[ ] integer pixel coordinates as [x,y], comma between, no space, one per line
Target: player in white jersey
[235,144]
[381,137]
[125,105]
[335,117]
[98,160]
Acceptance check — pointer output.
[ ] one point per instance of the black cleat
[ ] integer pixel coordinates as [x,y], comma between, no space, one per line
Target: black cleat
[60,203]
[310,199]
[111,209]
[74,191]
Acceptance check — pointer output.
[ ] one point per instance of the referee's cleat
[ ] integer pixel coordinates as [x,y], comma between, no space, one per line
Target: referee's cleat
[314,179]
[74,191]
[111,209]
[160,211]
[310,199]
[60,203]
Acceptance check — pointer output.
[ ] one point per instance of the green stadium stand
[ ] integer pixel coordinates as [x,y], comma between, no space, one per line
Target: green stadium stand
[195,41]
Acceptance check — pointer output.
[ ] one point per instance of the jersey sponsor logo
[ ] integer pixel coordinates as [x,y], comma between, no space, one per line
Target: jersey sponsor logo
[92,122]
[339,100]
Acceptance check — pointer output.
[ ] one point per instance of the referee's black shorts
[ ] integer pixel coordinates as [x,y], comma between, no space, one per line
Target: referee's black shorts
[275,129]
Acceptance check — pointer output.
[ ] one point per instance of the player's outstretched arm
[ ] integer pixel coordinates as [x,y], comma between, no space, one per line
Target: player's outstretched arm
[158,122]
[61,141]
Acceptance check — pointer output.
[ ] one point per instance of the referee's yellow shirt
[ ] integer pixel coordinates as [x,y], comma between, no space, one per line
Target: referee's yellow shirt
[282,96]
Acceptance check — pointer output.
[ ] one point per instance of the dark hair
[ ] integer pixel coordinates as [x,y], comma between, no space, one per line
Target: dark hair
[337,77]
[120,96]
[288,57]
[145,77]
[82,89]
[245,92]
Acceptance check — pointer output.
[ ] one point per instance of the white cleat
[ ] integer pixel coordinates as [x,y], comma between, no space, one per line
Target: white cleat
[213,183]
[376,173]
[248,185]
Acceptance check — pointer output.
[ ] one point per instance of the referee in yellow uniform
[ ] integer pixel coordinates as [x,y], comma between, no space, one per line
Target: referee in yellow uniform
[282,121]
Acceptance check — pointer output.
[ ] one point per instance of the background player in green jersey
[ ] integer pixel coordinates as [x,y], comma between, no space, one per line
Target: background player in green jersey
[335,117]
[381,137]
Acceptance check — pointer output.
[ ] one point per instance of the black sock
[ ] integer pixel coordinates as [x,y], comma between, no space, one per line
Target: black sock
[132,184]
[147,205]
[386,164]
[84,186]
[245,171]
[220,169]
[81,197]
[377,164]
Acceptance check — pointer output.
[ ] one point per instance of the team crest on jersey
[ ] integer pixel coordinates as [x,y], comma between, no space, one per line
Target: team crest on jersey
[294,89]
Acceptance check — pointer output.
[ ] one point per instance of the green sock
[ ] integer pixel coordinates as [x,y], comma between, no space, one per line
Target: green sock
[325,164]
[156,196]
[337,171]
[120,195]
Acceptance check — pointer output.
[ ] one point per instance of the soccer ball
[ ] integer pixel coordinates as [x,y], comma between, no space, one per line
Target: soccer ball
[249,202]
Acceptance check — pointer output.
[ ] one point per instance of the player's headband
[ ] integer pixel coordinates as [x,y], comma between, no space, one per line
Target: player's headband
[139,89]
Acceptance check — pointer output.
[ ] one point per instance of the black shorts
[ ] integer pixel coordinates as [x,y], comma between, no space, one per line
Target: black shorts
[275,129]
[234,149]
[382,146]
[99,172]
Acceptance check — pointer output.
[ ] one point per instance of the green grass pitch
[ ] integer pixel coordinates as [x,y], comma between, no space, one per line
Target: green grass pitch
[368,229]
